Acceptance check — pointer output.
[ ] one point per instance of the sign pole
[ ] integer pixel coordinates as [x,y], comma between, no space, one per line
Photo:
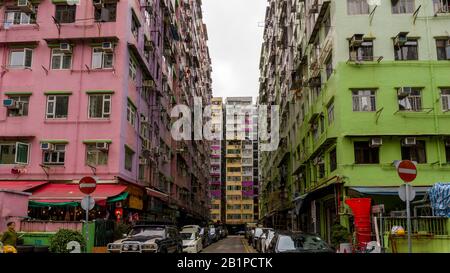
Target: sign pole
[408,217]
[87,224]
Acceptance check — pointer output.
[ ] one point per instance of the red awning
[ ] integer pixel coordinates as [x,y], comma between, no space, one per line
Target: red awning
[20,185]
[57,193]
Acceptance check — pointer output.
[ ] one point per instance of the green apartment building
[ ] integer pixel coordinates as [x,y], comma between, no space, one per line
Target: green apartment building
[360,86]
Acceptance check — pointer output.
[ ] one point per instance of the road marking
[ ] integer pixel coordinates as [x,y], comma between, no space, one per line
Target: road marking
[247,250]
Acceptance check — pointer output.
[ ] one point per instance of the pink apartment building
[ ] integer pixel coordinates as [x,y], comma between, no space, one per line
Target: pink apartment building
[79,88]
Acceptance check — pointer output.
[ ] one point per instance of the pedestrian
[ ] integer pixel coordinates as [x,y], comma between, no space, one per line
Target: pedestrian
[9,238]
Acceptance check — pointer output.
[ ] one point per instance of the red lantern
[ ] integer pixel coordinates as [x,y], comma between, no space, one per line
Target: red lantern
[118,212]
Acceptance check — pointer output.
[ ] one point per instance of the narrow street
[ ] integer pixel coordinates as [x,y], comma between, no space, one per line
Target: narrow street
[231,244]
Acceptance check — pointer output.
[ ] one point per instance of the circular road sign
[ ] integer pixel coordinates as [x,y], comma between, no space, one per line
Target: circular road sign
[407,171]
[87,203]
[88,185]
[402,193]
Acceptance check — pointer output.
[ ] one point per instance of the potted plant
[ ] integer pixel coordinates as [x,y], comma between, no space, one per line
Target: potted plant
[339,235]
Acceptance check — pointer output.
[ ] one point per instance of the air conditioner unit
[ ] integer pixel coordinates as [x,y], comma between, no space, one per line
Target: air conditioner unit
[102,146]
[401,39]
[97,3]
[149,45]
[148,83]
[404,92]
[157,151]
[10,104]
[65,47]
[143,161]
[357,40]
[45,146]
[108,47]
[25,5]
[144,119]
[376,142]
[447,142]
[409,141]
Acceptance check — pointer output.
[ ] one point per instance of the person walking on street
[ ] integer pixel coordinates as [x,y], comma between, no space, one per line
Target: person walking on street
[9,238]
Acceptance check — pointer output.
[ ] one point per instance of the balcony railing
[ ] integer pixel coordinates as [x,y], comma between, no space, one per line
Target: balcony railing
[420,225]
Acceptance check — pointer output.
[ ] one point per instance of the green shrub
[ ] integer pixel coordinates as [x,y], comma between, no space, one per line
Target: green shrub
[121,229]
[58,243]
[339,235]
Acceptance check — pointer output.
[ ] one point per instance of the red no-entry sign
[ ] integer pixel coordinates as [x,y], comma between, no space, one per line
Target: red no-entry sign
[407,171]
[88,185]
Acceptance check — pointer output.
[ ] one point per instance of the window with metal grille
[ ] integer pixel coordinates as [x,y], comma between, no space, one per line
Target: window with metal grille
[65,14]
[364,100]
[411,101]
[445,96]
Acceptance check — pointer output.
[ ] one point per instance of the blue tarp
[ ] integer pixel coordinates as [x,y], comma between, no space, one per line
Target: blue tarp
[440,199]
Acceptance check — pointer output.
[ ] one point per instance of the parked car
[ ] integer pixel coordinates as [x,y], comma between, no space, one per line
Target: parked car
[250,236]
[192,227]
[192,242]
[213,234]
[204,233]
[242,233]
[266,238]
[297,242]
[259,232]
[223,232]
[149,239]
[255,236]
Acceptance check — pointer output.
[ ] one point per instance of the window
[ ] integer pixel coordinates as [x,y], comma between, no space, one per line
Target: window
[407,51]
[21,58]
[141,171]
[441,6]
[107,13]
[447,153]
[402,6]
[14,153]
[330,113]
[363,52]
[22,106]
[333,160]
[356,7]
[96,157]
[132,69]
[99,106]
[443,48]
[65,14]
[135,26]
[364,154]
[129,154]
[57,106]
[329,67]
[409,99]
[445,96]
[17,17]
[56,156]
[131,114]
[102,59]
[60,59]
[364,100]
[327,24]
[415,153]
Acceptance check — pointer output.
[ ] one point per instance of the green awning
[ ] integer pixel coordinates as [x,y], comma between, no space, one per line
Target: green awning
[35,204]
[118,198]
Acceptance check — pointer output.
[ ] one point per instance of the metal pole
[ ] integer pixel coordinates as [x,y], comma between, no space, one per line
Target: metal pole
[408,218]
[87,222]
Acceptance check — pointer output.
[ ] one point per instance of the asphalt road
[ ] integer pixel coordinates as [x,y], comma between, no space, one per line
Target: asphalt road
[231,244]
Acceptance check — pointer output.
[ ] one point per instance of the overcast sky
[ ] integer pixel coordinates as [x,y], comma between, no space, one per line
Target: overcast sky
[235,36]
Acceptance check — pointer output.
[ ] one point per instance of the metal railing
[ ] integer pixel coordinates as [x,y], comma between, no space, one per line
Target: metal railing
[420,225]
